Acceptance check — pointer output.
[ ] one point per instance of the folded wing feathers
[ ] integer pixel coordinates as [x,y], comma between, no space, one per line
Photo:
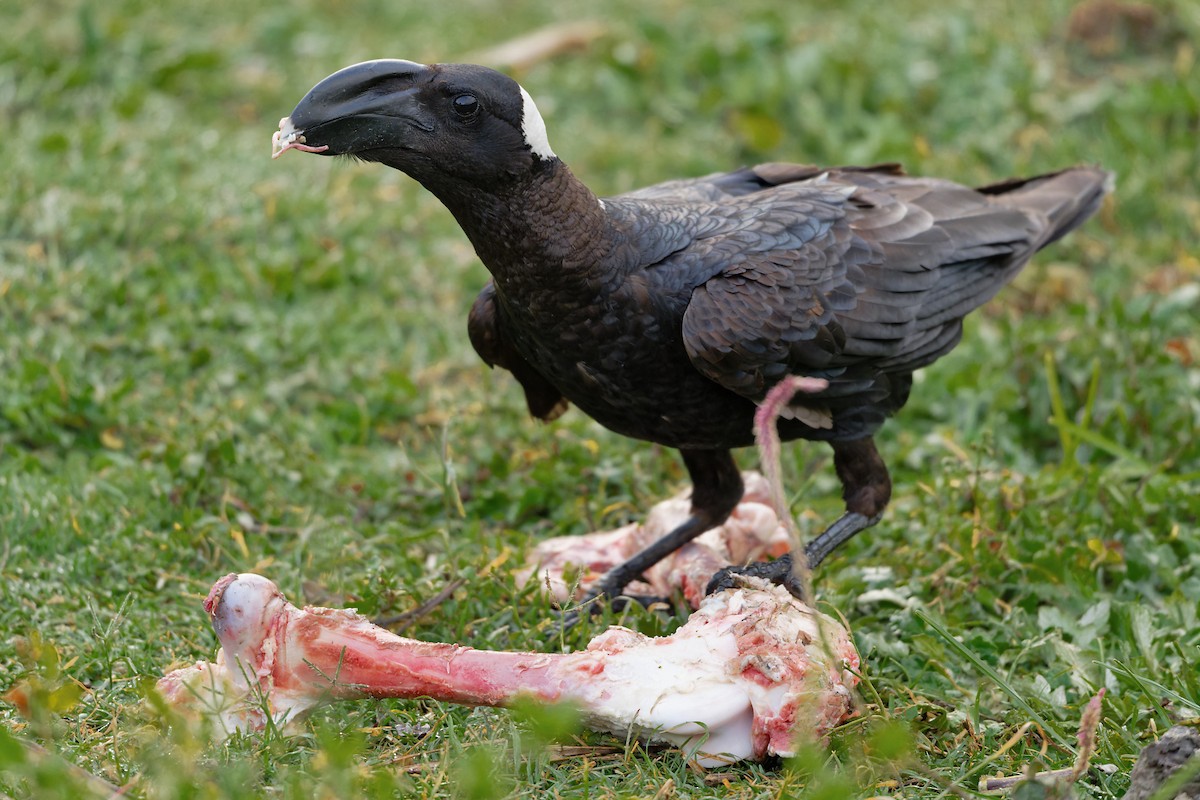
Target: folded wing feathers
[793,268]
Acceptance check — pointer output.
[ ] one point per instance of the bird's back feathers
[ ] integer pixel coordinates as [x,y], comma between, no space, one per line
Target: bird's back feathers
[852,274]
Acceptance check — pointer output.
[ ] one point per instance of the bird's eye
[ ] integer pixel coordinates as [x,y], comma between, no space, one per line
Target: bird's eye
[465,105]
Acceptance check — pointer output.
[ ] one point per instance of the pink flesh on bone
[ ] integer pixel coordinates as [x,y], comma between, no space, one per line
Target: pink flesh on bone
[750,671]
[288,138]
[752,532]
[283,148]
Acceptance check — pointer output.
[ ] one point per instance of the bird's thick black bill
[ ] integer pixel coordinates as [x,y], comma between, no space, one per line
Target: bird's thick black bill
[353,109]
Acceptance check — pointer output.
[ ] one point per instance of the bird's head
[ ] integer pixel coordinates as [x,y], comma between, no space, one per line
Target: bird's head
[437,121]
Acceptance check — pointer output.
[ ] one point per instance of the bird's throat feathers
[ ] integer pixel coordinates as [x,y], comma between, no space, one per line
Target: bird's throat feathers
[547,227]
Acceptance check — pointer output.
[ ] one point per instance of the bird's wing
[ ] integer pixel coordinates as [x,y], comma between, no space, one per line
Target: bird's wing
[852,276]
[778,302]
[723,185]
[486,331]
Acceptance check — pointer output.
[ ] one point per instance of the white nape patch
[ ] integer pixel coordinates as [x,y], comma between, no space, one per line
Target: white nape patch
[534,128]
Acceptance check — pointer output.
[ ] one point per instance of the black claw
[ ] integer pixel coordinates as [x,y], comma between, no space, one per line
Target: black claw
[779,572]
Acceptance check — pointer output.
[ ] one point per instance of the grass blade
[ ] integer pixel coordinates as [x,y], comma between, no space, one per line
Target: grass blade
[985,669]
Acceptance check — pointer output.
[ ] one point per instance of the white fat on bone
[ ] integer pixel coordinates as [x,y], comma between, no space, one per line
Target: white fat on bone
[751,672]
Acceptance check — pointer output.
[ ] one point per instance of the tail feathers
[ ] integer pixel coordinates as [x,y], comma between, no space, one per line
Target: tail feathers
[1065,199]
[1022,216]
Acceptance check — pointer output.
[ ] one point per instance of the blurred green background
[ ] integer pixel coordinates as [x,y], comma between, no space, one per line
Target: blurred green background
[213,362]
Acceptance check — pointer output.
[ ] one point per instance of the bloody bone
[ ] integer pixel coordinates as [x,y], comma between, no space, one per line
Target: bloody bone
[750,671]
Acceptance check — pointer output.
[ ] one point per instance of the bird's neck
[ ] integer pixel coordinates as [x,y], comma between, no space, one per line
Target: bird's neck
[546,229]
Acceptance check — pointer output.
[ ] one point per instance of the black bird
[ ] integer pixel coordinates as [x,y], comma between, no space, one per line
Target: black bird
[667,313]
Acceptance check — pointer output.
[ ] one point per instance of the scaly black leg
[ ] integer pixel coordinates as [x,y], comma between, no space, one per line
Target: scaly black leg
[716,490]
[866,488]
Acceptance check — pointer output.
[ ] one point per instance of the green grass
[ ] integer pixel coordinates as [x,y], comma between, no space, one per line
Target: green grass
[212,362]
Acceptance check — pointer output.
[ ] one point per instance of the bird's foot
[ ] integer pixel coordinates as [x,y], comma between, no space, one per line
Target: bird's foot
[780,572]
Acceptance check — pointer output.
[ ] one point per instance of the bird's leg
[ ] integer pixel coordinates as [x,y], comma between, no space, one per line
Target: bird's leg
[866,488]
[716,490]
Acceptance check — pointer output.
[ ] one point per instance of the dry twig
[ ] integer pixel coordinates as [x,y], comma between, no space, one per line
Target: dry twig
[525,51]
[399,622]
